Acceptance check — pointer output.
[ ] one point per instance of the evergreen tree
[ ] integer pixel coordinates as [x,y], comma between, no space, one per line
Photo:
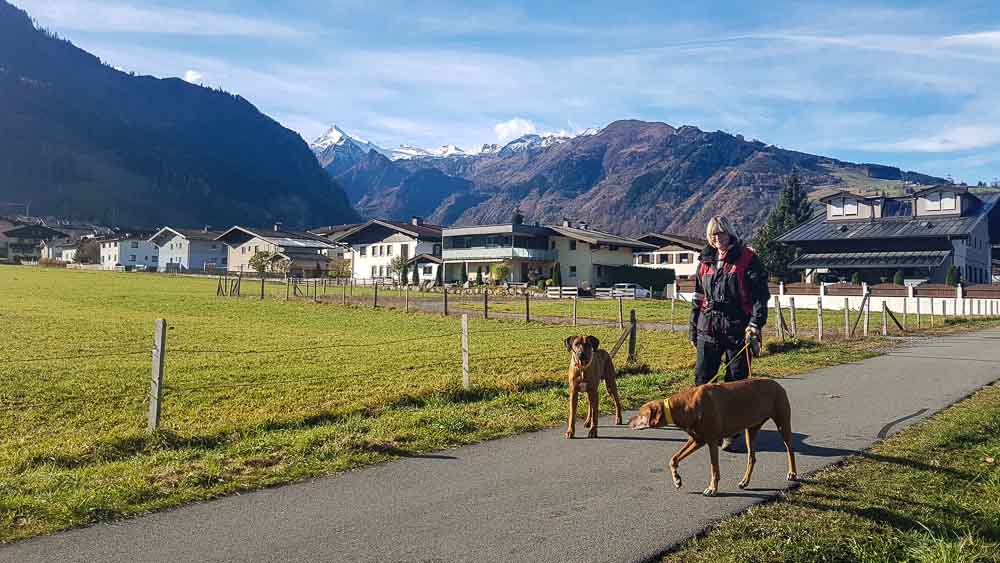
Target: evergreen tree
[856,278]
[953,278]
[416,275]
[557,275]
[792,210]
[479,274]
[898,278]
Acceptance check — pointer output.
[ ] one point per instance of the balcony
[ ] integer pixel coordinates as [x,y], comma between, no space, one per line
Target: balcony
[498,253]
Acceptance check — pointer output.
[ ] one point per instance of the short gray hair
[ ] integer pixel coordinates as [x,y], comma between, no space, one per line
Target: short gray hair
[720,224]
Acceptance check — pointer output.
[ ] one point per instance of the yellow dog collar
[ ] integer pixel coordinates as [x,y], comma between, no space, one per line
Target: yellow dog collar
[666,405]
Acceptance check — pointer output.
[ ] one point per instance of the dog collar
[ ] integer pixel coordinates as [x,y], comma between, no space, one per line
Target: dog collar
[666,404]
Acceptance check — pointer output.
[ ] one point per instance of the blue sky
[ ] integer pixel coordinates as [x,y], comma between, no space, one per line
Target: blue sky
[912,84]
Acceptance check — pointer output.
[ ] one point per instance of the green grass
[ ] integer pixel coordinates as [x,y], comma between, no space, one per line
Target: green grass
[930,493]
[259,393]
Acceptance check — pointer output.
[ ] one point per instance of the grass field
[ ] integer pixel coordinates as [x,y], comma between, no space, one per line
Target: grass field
[930,494]
[263,392]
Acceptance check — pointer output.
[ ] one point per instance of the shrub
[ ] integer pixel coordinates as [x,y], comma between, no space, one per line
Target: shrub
[898,278]
[856,278]
[51,263]
[953,277]
[557,274]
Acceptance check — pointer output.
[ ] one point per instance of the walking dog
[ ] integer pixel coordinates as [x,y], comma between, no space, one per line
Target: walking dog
[711,412]
[588,365]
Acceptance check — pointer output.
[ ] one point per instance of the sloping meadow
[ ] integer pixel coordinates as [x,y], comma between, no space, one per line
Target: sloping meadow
[259,393]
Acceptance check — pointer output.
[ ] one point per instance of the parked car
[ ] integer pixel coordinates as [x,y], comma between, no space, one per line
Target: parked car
[627,288]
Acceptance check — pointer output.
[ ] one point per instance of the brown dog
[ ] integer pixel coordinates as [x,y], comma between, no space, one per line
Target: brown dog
[710,412]
[588,365]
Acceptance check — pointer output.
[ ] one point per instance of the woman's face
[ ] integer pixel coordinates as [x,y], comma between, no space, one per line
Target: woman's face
[719,240]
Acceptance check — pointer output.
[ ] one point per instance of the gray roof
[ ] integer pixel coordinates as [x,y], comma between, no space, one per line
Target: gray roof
[282,238]
[820,229]
[423,231]
[908,259]
[597,237]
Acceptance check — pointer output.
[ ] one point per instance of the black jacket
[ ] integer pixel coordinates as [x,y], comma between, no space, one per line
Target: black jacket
[727,321]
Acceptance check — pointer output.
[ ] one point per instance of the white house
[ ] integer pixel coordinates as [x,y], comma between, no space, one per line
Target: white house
[304,253]
[130,251]
[427,266]
[676,252]
[376,243]
[183,250]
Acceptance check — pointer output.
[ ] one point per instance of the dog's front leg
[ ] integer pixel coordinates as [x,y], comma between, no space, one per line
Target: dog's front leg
[592,411]
[571,423]
[687,449]
[713,479]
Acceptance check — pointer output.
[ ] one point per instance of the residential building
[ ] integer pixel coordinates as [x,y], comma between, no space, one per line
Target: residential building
[53,249]
[21,242]
[585,256]
[376,243]
[185,250]
[427,266]
[921,234]
[69,254]
[300,253]
[131,251]
[675,252]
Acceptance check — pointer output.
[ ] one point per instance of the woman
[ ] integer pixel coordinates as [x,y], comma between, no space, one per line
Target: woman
[730,303]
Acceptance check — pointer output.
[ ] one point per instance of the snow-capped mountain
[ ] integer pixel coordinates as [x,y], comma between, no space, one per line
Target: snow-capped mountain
[533,141]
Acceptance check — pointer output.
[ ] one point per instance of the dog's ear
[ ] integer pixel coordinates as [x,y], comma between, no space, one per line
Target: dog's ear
[569,343]
[656,414]
[594,342]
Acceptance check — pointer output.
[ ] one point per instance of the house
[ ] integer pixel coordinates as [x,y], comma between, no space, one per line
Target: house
[69,253]
[676,252]
[585,256]
[299,253]
[427,266]
[21,242]
[131,251]
[54,249]
[921,234]
[185,250]
[376,243]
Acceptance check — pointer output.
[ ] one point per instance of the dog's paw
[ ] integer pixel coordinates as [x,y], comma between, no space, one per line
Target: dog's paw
[592,433]
[586,424]
[709,492]
[792,477]
[743,484]
[677,482]
[569,435]
[618,419]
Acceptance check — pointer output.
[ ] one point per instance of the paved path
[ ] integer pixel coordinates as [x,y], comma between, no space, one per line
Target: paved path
[539,497]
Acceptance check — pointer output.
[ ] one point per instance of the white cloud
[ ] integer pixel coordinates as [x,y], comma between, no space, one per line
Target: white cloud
[512,129]
[192,76]
[953,139]
[94,16]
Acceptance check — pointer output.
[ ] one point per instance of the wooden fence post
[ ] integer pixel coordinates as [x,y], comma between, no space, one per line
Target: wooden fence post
[486,304]
[847,318]
[406,299]
[156,374]
[288,282]
[867,312]
[885,319]
[574,311]
[445,302]
[905,322]
[262,288]
[631,337]
[918,313]
[819,319]
[779,319]
[465,351]
[673,303]
[527,307]
[375,299]
[795,323]
[621,312]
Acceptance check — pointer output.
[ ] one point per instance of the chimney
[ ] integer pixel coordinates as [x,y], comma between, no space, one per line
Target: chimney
[582,225]
[208,228]
[517,218]
[417,220]
[565,222]
[277,227]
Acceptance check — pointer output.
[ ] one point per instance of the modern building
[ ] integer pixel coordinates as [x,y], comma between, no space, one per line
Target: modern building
[131,251]
[293,252]
[675,252]
[530,252]
[21,242]
[921,234]
[187,250]
[376,243]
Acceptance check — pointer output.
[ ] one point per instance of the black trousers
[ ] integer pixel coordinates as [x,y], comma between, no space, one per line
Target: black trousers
[712,355]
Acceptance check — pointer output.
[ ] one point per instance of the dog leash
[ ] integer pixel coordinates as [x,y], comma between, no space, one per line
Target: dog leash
[745,348]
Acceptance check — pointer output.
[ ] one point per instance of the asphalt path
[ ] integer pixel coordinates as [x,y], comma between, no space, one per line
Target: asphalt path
[539,497]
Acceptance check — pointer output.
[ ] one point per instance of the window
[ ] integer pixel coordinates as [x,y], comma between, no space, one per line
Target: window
[134,244]
[572,271]
[243,250]
[388,250]
[850,206]
[666,259]
[256,249]
[214,246]
[934,201]
[613,247]
[684,258]
[645,258]
[427,270]
[553,245]
[381,271]
[362,251]
[837,207]
[131,258]
[436,251]
[223,260]
[374,271]
[947,200]
[572,245]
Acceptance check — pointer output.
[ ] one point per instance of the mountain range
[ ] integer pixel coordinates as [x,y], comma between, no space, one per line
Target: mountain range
[84,140]
[629,177]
